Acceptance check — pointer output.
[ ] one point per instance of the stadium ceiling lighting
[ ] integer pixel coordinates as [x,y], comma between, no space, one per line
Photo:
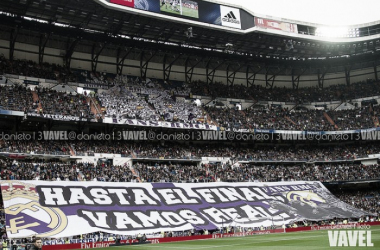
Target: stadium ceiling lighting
[7,14]
[34,19]
[61,25]
[90,30]
[334,32]
[190,47]
[125,37]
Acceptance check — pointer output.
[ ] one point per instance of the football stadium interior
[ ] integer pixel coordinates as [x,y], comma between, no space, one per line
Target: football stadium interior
[185,124]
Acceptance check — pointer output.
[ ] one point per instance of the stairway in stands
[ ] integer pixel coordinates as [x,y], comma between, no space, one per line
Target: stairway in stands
[35,99]
[134,173]
[328,118]
[72,152]
[290,120]
[375,119]
[95,107]
[151,106]
[210,121]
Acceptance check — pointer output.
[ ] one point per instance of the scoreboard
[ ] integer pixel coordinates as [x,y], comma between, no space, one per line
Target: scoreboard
[201,11]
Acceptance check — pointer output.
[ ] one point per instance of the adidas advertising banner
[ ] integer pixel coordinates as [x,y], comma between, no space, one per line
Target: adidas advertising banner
[230,17]
[61,209]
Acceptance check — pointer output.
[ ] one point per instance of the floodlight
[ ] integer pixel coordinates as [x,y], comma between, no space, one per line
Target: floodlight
[337,32]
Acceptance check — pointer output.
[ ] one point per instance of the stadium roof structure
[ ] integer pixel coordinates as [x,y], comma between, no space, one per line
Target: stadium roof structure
[91,27]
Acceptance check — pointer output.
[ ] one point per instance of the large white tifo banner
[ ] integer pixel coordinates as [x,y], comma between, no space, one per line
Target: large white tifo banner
[60,209]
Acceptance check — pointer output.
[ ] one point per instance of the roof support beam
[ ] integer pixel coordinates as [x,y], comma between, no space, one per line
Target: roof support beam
[321,76]
[347,71]
[144,61]
[375,70]
[270,76]
[70,50]
[231,74]
[12,42]
[95,55]
[168,67]
[120,59]
[211,72]
[44,38]
[296,78]
[251,75]
[189,68]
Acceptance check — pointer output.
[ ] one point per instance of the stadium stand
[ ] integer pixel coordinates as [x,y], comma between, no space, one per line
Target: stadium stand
[188,172]
[16,98]
[310,153]
[302,95]
[150,101]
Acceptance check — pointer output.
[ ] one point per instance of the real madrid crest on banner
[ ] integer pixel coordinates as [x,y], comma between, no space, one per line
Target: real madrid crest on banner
[25,215]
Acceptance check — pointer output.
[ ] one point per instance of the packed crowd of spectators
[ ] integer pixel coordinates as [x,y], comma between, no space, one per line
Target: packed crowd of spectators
[16,98]
[311,172]
[184,172]
[119,103]
[169,151]
[193,151]
[253,118]
[63,171]
[49,171]
[364,117]
[54,72]
[177,109]
[32,69]
[216,89]
[306,153]
[176,172]
[92,79]
[309,120]
[275,117]
[247,153]
[110,147]
[35,147]
[155,100]
[148,100]
[107,172]
[366,200]
[64,104]
[302,95]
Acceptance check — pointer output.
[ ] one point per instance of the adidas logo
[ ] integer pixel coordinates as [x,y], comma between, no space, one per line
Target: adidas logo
[231,18]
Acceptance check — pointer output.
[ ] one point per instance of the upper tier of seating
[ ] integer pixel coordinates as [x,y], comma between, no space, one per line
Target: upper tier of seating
[156,100]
